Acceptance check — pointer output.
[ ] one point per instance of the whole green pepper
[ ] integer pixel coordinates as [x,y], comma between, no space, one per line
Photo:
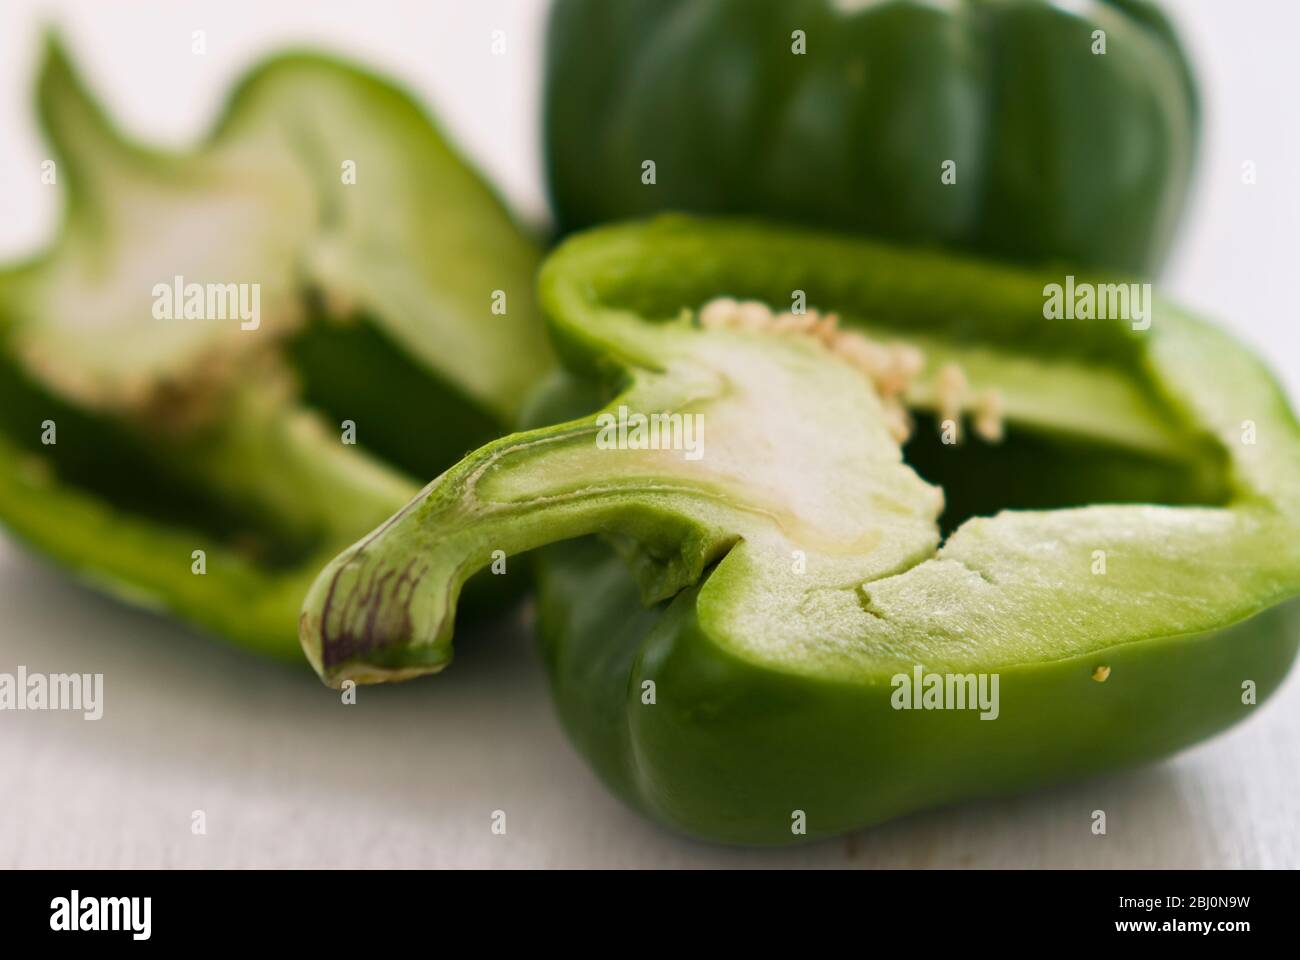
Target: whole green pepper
[236,359]
[820,643]
[1021,129]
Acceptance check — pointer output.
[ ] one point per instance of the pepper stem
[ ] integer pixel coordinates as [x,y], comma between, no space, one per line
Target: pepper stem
[384,609]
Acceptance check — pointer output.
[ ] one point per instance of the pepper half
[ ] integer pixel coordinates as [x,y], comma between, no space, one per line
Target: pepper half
[1021,129]
[234,360]
[730,633]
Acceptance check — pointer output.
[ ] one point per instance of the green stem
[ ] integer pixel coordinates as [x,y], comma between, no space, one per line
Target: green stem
[385,608]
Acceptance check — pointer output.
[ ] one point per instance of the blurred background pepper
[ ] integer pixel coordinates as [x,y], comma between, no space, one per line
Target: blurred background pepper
[1020,129]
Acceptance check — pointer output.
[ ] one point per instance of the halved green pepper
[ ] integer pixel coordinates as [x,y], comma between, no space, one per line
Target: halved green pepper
[234,360]
[1020,129]
[729,635]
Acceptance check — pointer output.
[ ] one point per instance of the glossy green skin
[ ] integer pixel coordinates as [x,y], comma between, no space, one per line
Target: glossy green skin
[769,702]
[729,751]
[1060,154]
[393,276]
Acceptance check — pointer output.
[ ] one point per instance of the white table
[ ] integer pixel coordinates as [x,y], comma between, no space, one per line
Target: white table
[410,776]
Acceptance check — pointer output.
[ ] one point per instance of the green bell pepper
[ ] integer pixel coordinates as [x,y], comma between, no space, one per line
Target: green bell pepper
[745,632]
[225,367]
[1021,129]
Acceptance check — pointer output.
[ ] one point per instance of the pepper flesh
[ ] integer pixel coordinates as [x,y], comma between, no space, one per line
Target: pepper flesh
[797,568]
[190,462]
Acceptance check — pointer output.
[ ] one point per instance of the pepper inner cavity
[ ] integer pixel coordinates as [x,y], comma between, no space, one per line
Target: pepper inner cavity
[892,367]
[1005,466]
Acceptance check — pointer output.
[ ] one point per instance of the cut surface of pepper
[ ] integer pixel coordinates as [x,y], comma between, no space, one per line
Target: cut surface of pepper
[789,573]
[223,365]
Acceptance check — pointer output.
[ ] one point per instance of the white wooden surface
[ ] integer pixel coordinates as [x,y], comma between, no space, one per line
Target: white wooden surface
[287,776]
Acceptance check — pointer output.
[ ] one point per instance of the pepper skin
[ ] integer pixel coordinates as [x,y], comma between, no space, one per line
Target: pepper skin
[1130,594]
[1058,152]
[196,455]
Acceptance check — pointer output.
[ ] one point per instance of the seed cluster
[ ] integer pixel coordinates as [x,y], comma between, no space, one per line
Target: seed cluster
[892,368]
